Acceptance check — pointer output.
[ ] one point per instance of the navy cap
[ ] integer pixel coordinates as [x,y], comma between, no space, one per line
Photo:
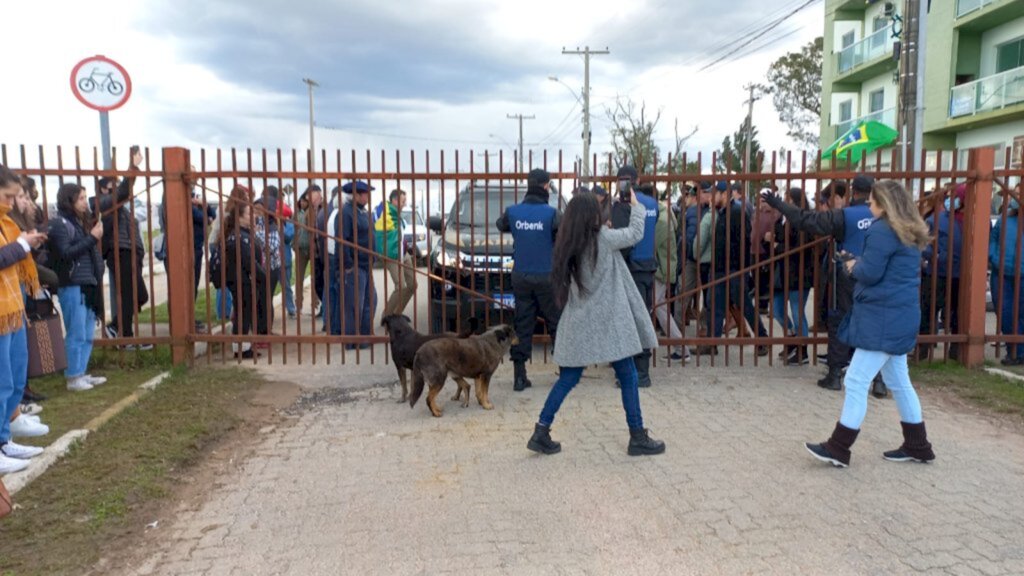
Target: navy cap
[862,183]
[722,186]
[706,185]
[628,172]
[737,187]
[599,190]
[358,186]
[538,177]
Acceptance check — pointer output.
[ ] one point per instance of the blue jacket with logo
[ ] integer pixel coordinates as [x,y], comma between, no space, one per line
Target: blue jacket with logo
[640,257]
[533,224]
[886,313]
[1005,257]
[950,246]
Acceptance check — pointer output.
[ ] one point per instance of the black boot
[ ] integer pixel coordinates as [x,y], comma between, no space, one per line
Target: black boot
[643,370]
[833,380]
[878,388]
[835,450]
[641,444]
[521,382]
[541,441]
[915,448]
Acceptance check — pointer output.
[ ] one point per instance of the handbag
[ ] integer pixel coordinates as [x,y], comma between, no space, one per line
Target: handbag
[5,500]
[45,334]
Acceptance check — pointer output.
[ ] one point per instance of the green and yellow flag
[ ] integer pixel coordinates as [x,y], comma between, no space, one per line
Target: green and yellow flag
[859,140]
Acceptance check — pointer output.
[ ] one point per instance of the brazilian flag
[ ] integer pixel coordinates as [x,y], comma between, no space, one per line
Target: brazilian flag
[859,140]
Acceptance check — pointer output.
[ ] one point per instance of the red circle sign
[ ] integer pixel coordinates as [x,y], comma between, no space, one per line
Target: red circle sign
[100,83]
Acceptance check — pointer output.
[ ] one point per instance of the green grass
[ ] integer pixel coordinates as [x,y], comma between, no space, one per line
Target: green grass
[97,499]
[988,391]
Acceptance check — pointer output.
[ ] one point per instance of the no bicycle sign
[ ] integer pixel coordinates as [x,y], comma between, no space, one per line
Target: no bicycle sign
[100,83]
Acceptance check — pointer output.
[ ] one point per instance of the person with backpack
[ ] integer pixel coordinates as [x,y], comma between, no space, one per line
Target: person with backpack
[244,272]
[79,267]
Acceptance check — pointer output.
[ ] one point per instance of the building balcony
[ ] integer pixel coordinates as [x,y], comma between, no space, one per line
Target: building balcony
[863,59]
[987,94]
[981,15]
[887,117]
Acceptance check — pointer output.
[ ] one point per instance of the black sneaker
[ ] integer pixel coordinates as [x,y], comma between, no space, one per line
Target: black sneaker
[1009,361]
[899,455]
[820,452]
[764,350]
[796,358]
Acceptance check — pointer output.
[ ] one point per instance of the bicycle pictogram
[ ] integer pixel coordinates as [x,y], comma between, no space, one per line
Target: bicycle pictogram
[102,82]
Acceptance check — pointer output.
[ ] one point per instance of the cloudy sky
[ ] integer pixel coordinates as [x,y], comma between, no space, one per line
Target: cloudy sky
[394,74]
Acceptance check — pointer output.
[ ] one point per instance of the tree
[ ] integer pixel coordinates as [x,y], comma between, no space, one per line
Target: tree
[794,82]
[633,136]
[731,158]
[675,163]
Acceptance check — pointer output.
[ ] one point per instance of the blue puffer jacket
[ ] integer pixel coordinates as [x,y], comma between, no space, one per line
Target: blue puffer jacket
[1008,260]
[949,246]
[886,312]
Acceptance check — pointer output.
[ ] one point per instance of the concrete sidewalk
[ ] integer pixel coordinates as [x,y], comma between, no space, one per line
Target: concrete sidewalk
[358,484]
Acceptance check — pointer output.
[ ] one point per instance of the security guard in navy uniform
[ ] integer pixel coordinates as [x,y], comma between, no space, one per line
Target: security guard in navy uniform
[533,224]
[640,258]
[848,227]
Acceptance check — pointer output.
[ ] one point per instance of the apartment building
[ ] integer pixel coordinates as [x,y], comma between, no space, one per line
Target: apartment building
[973,74]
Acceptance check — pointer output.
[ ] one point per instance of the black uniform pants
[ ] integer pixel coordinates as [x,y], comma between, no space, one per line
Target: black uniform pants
[533,297]
[129,269]
[645,284]
[839,353]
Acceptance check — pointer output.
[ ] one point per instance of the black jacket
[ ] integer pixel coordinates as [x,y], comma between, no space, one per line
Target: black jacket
[243,257]
[732,236]
[73,252]
[106,206]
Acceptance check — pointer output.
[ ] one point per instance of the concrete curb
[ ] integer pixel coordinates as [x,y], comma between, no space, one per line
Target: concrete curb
[1005,374]
[15,482]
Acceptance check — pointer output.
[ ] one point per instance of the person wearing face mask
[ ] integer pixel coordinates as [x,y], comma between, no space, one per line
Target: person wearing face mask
[940,261]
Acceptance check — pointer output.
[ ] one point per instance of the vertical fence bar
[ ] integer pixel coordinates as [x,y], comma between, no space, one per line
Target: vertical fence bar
[975,251]
[181,299]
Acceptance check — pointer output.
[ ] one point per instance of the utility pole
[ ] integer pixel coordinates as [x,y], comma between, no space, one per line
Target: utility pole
[587,53]
[909,84]
[749,129]
[520,117]
[312,148]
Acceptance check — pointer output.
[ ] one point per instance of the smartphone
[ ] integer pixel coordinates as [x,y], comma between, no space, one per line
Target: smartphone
[625,189]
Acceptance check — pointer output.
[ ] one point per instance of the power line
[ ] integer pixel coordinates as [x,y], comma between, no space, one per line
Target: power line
[758,47]
[767,29]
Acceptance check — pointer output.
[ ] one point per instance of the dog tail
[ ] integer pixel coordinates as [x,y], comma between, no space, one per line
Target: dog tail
[417,387]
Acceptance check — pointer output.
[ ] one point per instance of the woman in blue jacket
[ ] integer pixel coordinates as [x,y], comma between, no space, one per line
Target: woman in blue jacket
[941,269]
[1004,257]
[882,325]
[75,256]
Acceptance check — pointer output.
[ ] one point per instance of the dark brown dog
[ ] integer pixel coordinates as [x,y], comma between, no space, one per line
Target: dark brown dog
[475,357]
[406,341]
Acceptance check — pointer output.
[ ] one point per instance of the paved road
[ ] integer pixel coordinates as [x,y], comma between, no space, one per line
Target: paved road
[357,484]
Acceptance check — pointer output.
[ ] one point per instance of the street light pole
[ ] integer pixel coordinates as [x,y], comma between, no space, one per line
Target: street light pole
[312,147]
[587,53]
[520,117]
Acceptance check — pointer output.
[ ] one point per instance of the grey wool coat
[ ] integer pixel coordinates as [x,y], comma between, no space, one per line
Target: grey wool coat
[611,321]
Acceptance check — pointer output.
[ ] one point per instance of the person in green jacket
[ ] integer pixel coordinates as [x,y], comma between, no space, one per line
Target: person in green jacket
[666,250]
[397,263]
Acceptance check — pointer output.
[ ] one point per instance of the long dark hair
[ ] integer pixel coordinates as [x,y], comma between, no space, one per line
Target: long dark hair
[67,195]
[239,198]
[576,241]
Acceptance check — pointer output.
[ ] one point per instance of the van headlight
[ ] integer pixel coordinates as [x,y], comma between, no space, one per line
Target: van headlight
[449,258]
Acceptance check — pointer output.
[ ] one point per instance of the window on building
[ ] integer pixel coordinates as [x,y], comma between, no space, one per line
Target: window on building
[878,40]
[876,100]
[848,39]
[1010,56]
[845,111]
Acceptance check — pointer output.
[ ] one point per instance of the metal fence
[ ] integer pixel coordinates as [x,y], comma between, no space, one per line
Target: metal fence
[462,264]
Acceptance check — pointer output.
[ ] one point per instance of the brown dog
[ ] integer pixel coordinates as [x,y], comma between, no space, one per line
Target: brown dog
[406,341]
[475,357]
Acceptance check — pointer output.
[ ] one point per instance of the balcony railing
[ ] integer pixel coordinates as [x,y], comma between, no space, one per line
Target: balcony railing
[887,117]
[871,47]
[964,7]
[989,93]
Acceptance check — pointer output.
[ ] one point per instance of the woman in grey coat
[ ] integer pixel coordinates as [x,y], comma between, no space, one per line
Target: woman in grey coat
[604,318]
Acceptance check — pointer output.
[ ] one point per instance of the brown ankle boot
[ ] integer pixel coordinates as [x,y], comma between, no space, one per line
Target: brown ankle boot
[835,450]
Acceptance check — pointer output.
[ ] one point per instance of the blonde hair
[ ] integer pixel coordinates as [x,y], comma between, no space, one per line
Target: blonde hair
[901,212]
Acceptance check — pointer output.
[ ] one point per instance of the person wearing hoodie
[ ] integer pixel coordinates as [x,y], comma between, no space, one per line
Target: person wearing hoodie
[941,270]
[533,224]
[1004,258]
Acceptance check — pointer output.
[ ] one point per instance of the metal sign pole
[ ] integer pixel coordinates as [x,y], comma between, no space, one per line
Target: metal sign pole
[105,138]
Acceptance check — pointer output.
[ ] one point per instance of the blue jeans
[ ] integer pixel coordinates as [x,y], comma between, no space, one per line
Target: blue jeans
[359,299]
[286,289]
[1009,324]
[224,304]
[13,377]
[568,377]
[78,322]
[737,295]
[859,374]
[797,301]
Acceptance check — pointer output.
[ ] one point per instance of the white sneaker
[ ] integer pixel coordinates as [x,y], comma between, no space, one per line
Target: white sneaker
[13,450]
[9,465]
[94,380]
[79,384]
[25,427]
[30,408]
